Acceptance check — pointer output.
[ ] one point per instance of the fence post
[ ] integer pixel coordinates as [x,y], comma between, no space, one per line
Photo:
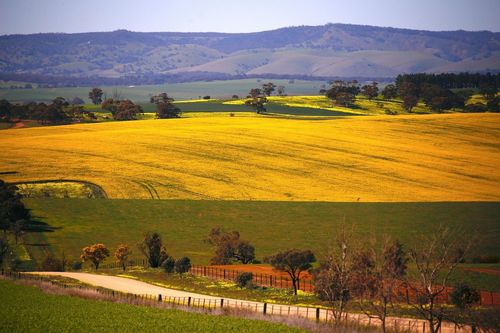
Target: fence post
[265,308]
[317,314]
[159,297]
[189,301]
[222,302]
[224,274]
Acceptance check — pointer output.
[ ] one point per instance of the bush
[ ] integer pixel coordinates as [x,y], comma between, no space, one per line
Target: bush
[464,296]
[168,265]
[206,97]
[244,279]
[76,265]
[182,265]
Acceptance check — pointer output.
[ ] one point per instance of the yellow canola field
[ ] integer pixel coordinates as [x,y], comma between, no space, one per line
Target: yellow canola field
[449,157]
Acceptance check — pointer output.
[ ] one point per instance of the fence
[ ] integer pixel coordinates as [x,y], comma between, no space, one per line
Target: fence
[209,304]
[487,298]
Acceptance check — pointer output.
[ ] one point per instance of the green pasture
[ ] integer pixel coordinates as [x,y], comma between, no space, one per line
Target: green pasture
[269,225]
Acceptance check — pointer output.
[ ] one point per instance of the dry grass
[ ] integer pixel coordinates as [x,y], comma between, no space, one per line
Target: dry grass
[452,157]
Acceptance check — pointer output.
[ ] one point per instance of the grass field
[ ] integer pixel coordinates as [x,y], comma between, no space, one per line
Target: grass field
[28,309]
[270,226]
[191,90]
[450,157]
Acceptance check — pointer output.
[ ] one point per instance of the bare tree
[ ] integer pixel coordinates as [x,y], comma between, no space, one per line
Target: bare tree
[435,257]
[333,279]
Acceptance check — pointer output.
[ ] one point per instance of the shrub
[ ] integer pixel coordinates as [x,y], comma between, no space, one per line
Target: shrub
[182,265]
[244,279]
[76,265]
[168,265]
[464,296]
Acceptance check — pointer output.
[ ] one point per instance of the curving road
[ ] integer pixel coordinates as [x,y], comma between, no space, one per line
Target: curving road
[142,288]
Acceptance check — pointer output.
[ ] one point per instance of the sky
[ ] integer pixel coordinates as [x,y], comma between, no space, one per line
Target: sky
[35,16]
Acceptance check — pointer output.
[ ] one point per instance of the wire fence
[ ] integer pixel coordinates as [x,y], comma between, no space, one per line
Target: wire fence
[487,298]
[320,315]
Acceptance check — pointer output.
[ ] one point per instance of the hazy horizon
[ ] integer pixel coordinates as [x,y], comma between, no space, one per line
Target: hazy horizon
[58,16]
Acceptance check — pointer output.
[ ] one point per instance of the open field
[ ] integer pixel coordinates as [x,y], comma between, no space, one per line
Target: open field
[270,226]
[191,90]
[451,157]
[28,309]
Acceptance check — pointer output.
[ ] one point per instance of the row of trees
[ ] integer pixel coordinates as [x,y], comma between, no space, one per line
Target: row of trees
[58,111]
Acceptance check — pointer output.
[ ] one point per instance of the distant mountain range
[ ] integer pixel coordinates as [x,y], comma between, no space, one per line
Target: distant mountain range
[332,50]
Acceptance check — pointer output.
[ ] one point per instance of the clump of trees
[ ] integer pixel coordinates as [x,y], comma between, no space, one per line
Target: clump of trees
[342,92]
[122,109]
[165,107]
[292,261]
[229,247]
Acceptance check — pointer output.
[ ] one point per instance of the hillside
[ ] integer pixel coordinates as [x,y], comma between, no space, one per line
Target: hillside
[329,50]
[449,157]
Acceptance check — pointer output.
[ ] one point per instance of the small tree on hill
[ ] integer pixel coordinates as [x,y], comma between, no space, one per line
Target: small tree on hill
[294,262]
[152,247]
[268,88]
[95,253]
[121,254]
[95,95]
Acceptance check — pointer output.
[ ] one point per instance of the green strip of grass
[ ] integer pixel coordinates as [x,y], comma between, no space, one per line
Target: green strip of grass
[27,309]
[269,225]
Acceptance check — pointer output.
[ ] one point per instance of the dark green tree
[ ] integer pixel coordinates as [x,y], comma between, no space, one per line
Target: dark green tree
[182,265]
[389,92]
[292,261]
[370,90]
[95,95]
[153,249]
[165,107]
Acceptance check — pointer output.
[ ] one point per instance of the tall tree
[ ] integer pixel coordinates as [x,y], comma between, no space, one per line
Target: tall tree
[293,262]
[95,95]
[152,247]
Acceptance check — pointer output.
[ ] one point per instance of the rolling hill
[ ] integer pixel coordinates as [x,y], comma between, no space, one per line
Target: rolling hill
[329,50]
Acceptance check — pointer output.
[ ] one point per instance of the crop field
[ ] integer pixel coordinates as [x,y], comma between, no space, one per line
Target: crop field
[269,225]
[451,157]
[191,90]
[28,309]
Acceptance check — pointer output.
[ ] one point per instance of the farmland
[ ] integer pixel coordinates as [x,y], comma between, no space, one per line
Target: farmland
[449,157]
[26,308]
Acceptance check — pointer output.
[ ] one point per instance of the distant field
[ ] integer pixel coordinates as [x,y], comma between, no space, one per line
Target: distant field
[269,225]
[27,309]
[191,90]
[450,157]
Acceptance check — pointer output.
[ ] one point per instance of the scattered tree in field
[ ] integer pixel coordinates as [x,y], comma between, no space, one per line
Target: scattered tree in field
[122,109]
[390,92]
[121,254]
[409,94]
[435,257]
[257,100]
[409,102]
[95,253]
[168,265]
[280,90]
[294,262]
[77,101]
[152,247]
[370,90]
[268,88]
[244,279]
[4,250]
[95,95]
[333,279]
[165,107]
[255,92]
[182,265]
[229,247]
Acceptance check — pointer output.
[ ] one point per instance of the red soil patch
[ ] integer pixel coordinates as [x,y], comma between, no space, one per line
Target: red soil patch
[491,271]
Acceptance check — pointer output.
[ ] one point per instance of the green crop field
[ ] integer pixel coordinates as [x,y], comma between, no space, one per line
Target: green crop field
[191,90]
[269,225]
[28,309]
